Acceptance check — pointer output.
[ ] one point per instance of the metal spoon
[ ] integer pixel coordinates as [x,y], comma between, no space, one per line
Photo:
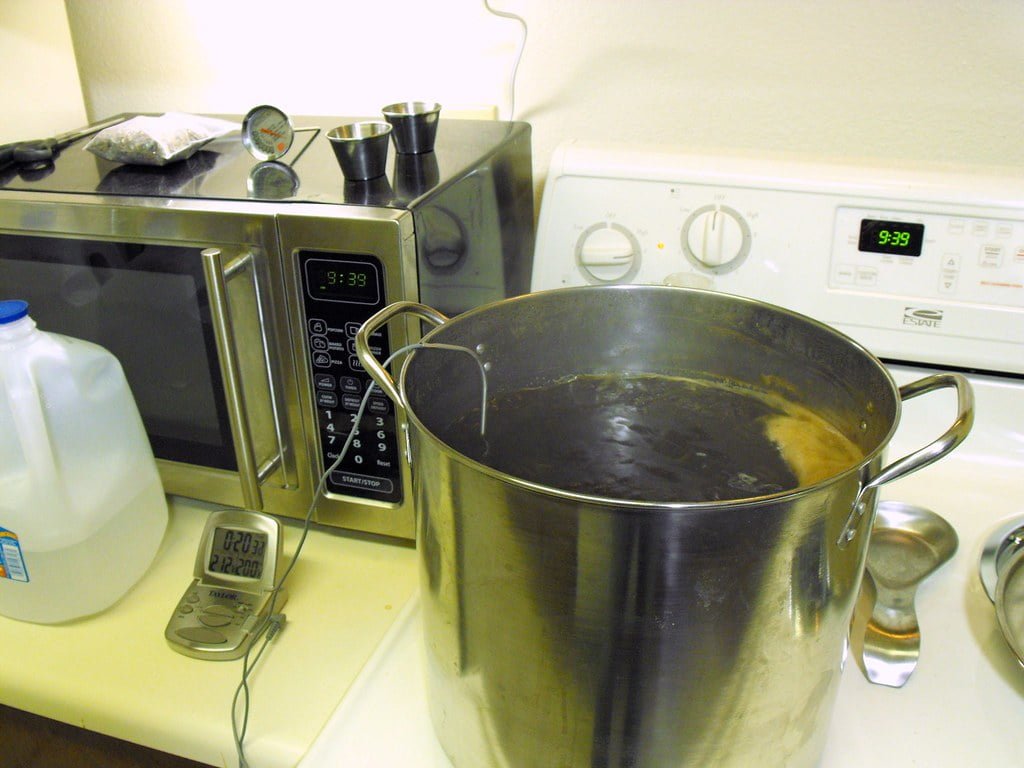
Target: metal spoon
[908,544]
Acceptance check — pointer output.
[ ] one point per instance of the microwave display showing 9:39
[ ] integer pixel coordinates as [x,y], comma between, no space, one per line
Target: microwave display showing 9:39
[237,552]
[344,281]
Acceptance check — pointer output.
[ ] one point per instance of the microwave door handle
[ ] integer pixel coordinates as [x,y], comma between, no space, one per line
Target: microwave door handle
[217,274]
[274,389]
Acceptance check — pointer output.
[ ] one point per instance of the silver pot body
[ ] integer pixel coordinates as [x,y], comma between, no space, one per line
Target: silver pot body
[570,631]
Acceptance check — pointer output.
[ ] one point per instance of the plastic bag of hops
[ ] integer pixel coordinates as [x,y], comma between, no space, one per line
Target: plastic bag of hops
[157,140]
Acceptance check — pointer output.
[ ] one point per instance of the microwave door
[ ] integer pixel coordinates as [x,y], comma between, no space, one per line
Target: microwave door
[150,305]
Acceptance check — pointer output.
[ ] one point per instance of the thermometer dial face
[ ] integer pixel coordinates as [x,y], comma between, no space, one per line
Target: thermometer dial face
[267,132]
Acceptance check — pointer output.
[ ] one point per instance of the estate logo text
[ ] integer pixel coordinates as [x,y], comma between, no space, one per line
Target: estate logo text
[922,318]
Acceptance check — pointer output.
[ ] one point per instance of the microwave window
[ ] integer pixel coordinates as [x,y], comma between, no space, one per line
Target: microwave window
[147,305]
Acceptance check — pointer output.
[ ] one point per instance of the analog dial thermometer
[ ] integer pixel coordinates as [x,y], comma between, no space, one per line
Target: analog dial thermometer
[267,132]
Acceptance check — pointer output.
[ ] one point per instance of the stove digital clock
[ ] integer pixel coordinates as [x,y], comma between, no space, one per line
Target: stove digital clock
[893,237]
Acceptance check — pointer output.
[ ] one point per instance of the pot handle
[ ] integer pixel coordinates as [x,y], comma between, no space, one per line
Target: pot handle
[932,452]
[370,363]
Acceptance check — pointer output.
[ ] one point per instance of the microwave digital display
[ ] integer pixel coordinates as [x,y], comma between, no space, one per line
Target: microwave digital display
[337,280]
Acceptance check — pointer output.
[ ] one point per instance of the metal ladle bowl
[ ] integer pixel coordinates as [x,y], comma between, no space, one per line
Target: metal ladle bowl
[1002,563]
[908,544]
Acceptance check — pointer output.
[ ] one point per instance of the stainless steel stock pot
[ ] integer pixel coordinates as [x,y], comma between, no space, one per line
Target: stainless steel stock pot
[570,630]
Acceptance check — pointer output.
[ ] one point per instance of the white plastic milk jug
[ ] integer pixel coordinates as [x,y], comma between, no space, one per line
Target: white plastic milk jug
[82,510]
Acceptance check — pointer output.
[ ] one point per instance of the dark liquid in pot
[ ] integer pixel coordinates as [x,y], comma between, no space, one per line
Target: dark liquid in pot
[653,438]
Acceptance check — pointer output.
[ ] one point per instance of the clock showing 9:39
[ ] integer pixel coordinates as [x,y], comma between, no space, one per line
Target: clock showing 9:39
[892,237]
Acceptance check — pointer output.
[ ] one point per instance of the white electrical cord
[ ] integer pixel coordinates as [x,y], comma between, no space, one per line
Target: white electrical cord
[274,622]
[519,54]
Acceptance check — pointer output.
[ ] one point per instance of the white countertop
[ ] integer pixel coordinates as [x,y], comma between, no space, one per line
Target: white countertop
[114,673]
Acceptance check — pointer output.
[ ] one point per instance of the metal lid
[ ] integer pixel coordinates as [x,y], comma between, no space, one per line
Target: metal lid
[12,309]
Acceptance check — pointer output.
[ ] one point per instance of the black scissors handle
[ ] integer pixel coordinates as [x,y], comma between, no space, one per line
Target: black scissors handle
[7,153]
[41,151]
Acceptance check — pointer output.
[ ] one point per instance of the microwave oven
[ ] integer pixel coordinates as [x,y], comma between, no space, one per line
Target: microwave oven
[231,291]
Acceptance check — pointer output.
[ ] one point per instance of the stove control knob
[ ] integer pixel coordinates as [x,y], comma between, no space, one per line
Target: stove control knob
[716,237]
[608,253]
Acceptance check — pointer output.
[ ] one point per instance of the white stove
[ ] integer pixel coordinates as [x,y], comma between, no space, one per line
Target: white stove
[924,267]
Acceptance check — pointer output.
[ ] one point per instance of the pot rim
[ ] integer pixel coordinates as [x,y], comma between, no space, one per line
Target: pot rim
[783,496]
[636,504]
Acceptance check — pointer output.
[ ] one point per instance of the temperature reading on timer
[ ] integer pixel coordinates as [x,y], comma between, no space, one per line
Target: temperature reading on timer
[893,237]
[237,552]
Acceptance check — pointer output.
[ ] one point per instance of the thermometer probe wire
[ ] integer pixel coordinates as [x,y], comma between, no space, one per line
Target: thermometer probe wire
[273,622]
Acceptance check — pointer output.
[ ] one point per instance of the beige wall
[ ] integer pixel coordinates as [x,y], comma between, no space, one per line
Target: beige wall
[913,80]
[40,94]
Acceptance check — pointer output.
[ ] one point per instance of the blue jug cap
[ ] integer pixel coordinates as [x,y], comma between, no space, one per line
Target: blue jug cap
[12,309]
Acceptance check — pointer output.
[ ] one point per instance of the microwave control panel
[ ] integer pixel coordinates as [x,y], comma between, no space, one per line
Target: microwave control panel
[340,291]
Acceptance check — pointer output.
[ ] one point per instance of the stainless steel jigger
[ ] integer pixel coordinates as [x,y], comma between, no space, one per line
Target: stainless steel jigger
[908,544]
[414,125]
[361,149]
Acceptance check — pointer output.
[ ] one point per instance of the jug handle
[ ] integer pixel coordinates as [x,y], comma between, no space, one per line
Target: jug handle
[932,452]
[370,363]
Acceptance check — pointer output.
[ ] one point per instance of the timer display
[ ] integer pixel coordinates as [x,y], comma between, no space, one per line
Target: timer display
[892,237]
[347,281]
[237,552]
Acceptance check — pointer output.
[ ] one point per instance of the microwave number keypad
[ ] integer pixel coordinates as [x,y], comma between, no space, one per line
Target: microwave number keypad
[341,292]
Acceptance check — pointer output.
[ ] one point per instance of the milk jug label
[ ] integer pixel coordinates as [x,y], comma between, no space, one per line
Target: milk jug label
[12,565]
